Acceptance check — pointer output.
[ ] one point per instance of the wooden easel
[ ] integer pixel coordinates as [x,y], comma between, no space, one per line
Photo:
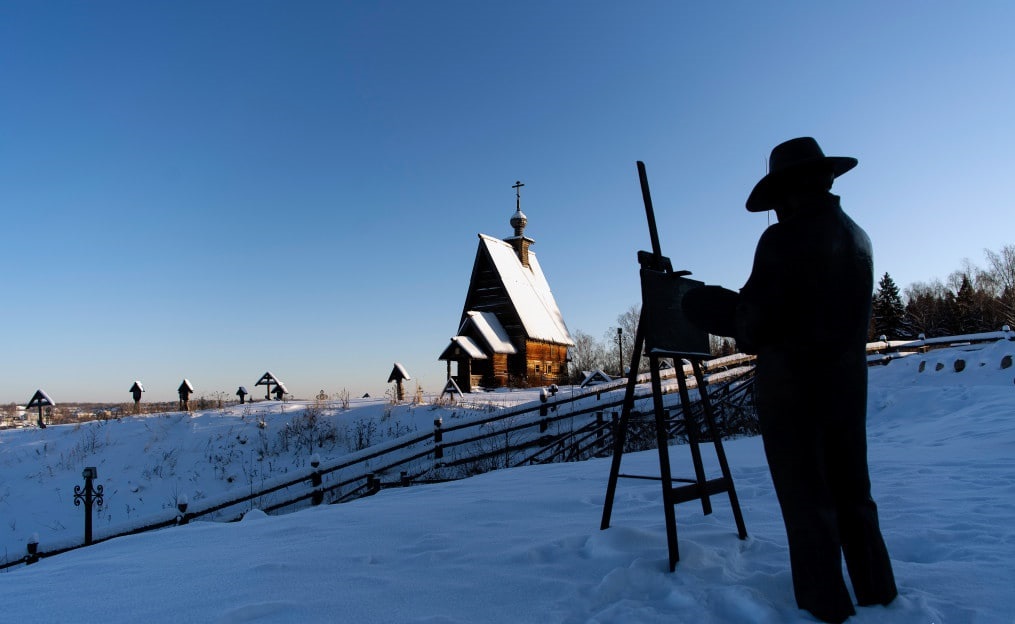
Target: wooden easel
[663,333]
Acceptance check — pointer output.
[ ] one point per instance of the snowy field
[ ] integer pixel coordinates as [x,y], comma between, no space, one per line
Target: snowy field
[147,463]
[524,545]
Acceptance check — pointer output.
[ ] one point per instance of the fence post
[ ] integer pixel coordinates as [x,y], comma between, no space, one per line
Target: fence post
[405,479]
[181,505]
[88,495]
[438,437]
[373,484]
[315,480]
[33,549]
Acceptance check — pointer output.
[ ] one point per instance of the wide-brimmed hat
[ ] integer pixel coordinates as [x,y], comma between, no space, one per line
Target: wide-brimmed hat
[794,160]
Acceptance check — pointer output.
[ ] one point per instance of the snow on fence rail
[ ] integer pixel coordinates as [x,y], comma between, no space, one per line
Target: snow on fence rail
[884,351]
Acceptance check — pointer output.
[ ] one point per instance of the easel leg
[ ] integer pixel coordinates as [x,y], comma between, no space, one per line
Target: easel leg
[719,450]
[691,427]
[620,435]
[663,442]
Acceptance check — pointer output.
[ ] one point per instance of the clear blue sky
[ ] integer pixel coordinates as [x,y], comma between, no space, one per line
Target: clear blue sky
[214,189]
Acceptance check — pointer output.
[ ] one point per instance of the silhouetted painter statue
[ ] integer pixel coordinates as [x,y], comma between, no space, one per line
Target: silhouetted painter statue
[805,312]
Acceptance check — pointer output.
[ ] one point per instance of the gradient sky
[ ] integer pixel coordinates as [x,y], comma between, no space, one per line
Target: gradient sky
[214,189]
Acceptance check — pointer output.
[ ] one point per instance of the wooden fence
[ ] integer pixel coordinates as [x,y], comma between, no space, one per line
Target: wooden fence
[564,428]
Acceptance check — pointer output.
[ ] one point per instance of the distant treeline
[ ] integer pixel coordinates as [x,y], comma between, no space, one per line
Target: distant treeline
[75,412]
[972,300]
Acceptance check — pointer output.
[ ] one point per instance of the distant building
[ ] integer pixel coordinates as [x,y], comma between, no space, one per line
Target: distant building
[511,331]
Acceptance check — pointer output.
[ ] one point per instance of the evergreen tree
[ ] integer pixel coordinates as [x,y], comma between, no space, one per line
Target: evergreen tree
[889,314]
[968,315]
[1006,306]
[949,315]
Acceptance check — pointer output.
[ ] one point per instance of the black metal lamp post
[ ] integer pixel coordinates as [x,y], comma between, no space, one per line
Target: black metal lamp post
[620,348]
[88,495]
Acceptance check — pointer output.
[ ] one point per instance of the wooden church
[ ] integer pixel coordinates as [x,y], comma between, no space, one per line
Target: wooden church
[511,332]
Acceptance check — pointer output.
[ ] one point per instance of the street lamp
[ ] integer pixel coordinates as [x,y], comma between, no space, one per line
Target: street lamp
[620,349]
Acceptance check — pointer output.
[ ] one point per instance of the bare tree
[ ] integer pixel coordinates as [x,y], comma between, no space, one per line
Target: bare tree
[1001,271]
[927,310]
[971,300]
[721,345]
[628,324]
[587,354]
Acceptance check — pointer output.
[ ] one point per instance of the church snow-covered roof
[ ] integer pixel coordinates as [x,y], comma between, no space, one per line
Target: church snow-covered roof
[529,292]
[487,325]
[466,344]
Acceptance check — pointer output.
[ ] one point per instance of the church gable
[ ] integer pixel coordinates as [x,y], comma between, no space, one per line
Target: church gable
[487,294]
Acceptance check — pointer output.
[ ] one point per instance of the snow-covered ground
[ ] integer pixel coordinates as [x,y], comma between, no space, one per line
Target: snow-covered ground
[147,463]
[523,545]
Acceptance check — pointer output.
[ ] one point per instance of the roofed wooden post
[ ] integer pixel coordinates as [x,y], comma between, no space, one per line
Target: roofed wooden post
[280,390]
[136,391]
[185,390]
[267,380]
[398,375]
[40,399]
